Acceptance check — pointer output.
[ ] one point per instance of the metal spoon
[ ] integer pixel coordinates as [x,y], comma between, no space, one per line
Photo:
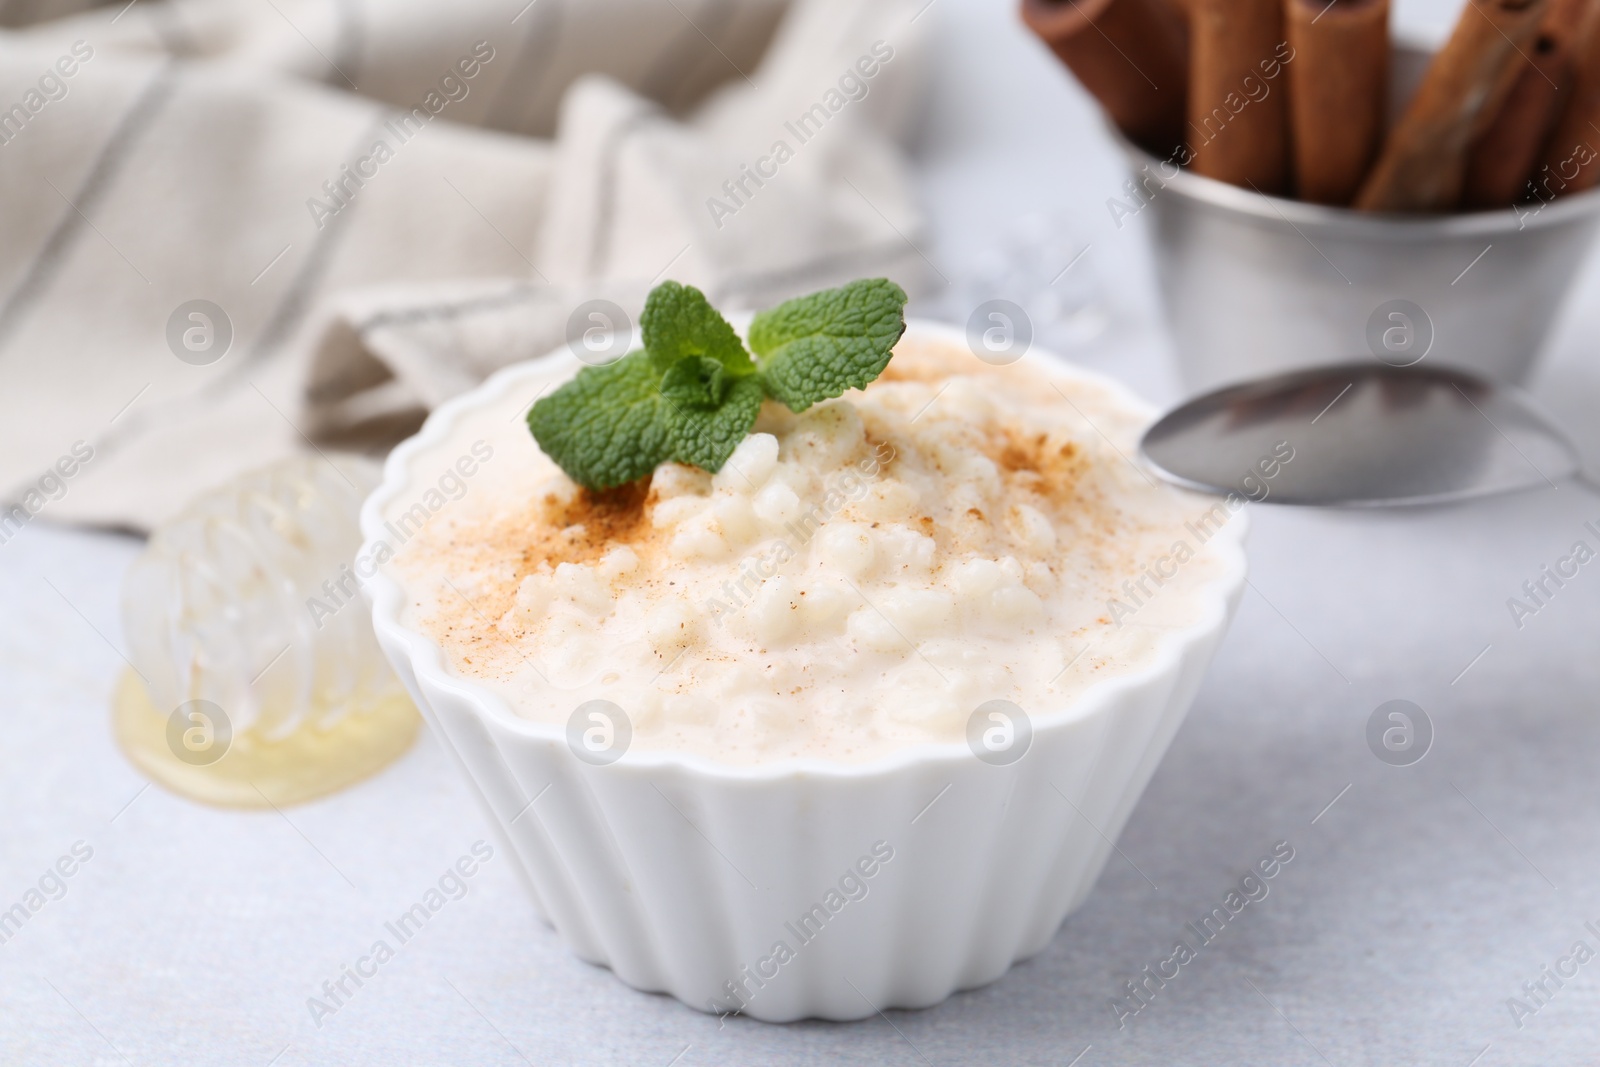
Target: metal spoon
[1361,435]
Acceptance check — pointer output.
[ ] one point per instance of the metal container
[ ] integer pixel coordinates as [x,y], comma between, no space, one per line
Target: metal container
[1255,284]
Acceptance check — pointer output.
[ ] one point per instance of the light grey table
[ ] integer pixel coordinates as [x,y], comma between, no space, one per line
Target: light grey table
[1418,901]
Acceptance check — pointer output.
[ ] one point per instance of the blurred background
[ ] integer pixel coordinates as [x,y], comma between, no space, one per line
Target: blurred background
[206,265]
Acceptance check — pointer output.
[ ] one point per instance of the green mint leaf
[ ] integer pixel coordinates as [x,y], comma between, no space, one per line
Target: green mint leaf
[608,425]
[816,347]
[696,382]
[705,437]
[678,321]
[693,393]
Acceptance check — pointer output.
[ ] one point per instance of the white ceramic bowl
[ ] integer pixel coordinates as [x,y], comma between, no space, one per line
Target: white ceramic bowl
[683,876]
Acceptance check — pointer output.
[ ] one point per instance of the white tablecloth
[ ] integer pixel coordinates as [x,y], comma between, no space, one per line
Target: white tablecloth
[1415,906]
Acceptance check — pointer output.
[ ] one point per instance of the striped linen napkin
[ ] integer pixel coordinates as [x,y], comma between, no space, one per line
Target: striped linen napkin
[235,229]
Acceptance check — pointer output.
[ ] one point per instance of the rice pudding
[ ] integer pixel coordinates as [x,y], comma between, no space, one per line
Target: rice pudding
[858,578]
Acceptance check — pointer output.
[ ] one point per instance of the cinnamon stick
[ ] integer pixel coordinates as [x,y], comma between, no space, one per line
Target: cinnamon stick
[1338,88]
[1423,163]
[1571,159]
[1132,55]
[1238,119]
[1504,155]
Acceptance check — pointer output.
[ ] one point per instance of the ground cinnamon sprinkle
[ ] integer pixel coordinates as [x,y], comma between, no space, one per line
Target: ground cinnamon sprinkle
[546,532]
[885,451]
[581,529]
[1054,470]
[1035,452]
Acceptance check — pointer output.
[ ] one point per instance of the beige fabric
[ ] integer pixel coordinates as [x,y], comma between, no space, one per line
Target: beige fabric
[185,158]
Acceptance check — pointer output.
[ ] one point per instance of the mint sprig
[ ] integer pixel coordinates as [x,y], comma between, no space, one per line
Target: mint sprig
[679,321]
[606,426]
[705,437]
[693,392]
[814,348]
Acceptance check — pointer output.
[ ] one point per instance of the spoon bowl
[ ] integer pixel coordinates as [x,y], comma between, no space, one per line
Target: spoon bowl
[1361,435]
